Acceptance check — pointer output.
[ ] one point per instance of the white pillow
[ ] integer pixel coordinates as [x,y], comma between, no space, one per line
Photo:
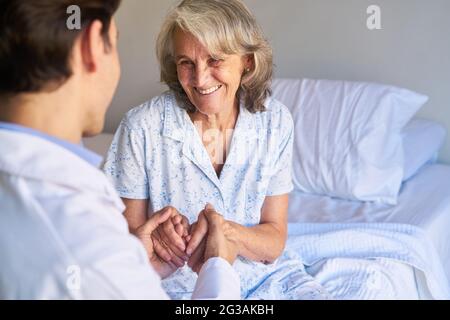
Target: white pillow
[348,141]
[422,140]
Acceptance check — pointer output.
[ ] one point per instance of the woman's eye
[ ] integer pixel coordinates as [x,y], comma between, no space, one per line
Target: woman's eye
[214,62]
[185,63]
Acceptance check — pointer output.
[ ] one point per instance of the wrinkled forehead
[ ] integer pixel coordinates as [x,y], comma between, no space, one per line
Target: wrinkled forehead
[186,44]
[210,41]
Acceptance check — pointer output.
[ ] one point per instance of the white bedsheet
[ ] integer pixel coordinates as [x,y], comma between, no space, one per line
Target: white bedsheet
[359,258]
[424,202]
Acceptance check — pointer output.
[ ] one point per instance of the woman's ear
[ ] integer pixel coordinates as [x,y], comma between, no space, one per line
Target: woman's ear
[249,62]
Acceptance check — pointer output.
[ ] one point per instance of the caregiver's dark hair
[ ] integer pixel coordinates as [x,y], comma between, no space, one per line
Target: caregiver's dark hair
[36,44]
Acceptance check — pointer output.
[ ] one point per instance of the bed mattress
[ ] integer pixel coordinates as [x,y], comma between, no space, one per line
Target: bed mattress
[424,201]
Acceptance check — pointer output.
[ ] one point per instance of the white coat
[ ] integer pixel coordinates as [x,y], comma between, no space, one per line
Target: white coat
[63,235]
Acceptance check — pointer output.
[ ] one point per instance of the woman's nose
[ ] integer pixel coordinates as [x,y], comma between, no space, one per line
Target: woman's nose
[201,76]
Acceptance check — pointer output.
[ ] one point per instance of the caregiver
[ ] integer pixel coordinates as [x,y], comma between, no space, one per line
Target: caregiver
[215,137]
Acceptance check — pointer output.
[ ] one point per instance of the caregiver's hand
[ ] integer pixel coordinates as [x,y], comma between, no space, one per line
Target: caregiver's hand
[219,243]
[144,233]
[197,242]
[197,233]
[170,236]
[216,242]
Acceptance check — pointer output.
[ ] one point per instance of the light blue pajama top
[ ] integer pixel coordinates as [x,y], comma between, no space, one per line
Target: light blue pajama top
[157,154]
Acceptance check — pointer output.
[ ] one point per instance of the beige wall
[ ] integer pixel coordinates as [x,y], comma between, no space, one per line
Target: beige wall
[316,39]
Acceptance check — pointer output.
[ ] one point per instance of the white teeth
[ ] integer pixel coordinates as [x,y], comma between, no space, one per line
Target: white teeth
[210,90]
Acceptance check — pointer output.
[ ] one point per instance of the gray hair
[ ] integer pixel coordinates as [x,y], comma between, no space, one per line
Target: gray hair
[223,27]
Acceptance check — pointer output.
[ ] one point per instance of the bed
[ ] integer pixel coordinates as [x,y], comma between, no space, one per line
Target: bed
[370,207]
[424,202]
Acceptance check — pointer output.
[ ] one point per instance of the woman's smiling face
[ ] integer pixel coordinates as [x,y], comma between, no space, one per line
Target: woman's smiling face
[211,85]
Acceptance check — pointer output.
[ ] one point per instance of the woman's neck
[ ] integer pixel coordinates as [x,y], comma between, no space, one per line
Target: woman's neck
[221,121]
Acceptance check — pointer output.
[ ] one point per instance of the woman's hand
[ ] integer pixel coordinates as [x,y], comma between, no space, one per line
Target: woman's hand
[263,242]
[169,238]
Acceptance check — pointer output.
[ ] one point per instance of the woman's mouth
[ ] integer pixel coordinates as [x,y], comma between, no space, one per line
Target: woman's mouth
[205,92]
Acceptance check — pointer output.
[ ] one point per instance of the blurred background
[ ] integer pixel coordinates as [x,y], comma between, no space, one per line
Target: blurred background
[313,39]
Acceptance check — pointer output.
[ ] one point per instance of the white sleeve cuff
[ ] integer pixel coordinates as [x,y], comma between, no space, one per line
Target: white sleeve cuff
[217,280]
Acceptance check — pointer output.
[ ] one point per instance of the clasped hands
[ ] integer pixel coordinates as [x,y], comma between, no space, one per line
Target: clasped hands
[171,241]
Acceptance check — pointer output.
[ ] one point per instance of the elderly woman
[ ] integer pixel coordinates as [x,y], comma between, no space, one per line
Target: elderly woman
[215,138]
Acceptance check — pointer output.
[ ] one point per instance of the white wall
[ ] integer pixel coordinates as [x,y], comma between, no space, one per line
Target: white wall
[316,39]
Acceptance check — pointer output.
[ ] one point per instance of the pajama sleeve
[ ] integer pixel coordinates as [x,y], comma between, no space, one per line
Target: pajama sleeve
[125,164]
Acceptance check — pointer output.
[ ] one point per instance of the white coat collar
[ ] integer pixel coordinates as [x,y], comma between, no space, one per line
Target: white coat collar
[32,157]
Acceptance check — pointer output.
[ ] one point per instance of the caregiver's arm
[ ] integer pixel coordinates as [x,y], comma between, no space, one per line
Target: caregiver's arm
[217,279]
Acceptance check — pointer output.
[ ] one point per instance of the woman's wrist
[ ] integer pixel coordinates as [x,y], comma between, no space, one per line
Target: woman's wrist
[233,233]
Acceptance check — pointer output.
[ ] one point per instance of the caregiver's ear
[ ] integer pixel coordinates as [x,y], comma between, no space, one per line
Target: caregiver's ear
[93,46]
